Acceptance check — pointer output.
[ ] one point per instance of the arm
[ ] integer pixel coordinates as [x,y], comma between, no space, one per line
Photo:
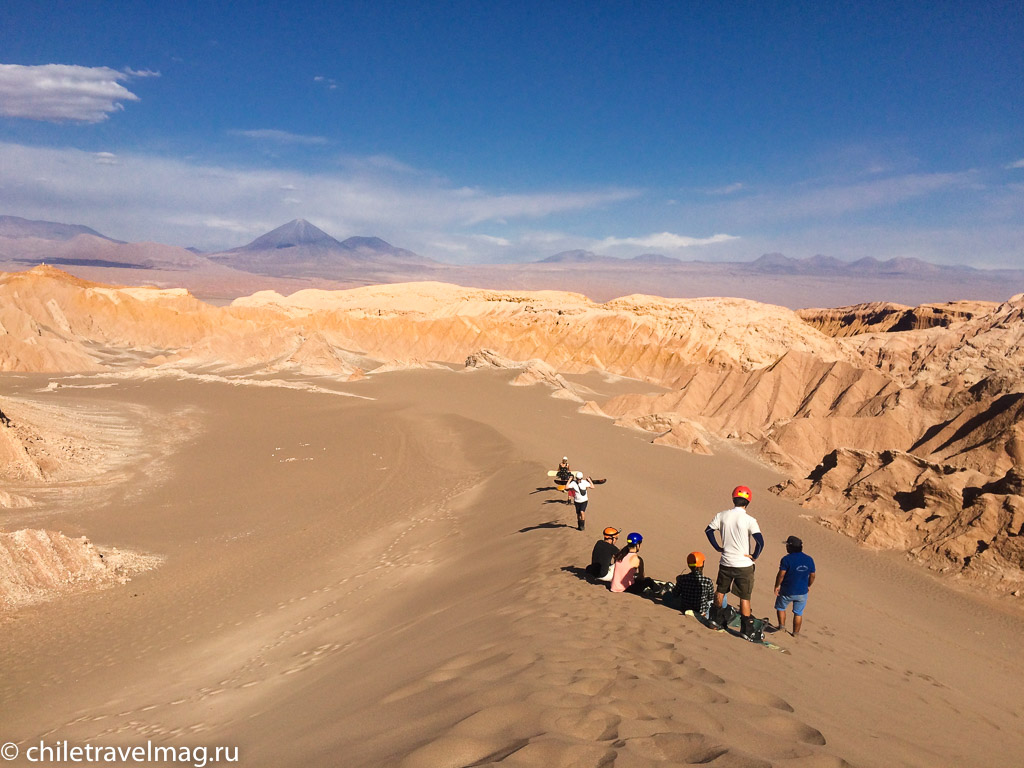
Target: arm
[758,545]
[778,580]
[710,533]
[639,568]
[810,580]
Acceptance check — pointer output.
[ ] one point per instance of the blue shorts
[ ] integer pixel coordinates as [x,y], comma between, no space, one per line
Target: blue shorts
[799,603]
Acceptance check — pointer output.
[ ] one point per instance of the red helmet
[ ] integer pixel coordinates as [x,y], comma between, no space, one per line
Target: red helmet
[741,492]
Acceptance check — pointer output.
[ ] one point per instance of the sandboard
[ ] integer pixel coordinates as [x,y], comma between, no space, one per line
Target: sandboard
[554,473]
[735,625]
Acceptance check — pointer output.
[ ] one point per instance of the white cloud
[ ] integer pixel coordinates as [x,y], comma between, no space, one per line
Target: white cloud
[492,240]
[281,137]
[663,241]
[61,92]
[174,201]
[1016,164]
[105,158]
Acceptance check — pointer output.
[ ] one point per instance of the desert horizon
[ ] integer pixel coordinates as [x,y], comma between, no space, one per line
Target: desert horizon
[298,255]
[318,528]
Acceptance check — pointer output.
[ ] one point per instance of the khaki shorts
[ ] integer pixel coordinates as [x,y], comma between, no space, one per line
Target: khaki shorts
[739,580]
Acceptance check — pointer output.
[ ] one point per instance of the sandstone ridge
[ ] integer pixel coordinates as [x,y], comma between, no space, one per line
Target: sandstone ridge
[901,426]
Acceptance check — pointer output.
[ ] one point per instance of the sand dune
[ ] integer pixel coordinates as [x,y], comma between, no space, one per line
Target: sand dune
[390,581]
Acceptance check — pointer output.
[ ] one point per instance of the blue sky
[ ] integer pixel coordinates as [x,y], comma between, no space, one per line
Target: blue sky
[485,131]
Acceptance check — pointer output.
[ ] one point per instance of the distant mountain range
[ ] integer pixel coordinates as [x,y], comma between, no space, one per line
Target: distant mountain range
[300,249]
[768,264]
[16,227]
[777,264]
[299,254]
[589,257]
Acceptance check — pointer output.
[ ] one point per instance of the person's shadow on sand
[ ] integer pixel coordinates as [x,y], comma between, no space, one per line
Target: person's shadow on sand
[544,489]
[580,573]
[542,526]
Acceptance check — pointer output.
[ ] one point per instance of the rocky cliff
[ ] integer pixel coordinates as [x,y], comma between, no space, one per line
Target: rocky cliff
[900,426]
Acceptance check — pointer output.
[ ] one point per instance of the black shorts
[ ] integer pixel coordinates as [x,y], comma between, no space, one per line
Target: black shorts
[742,578]
[581,506]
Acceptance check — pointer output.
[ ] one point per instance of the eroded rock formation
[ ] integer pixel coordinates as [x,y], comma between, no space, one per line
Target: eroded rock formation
[901,426]
[38,565]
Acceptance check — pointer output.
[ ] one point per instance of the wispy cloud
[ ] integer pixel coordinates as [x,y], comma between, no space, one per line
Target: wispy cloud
[730,189]
[105,158]
[64,92]
[492,240]
[476,206]
[330,83]
[376,164]
[280,137]
[823,200]
[663,241]
[1016,164]
[175,201]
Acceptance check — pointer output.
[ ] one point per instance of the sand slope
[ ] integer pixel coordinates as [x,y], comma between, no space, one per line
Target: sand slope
[390,582]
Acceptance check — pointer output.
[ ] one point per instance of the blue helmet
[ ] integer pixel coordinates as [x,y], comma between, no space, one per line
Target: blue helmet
[633,539]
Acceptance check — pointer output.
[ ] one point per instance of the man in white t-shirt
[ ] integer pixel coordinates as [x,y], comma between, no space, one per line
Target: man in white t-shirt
[736,568]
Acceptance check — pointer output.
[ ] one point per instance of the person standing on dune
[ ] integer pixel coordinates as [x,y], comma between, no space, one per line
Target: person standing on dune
[792,583]
[737,564]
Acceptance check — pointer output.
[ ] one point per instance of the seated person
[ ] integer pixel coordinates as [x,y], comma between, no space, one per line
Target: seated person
[628,568]
[604,553]
[693,590]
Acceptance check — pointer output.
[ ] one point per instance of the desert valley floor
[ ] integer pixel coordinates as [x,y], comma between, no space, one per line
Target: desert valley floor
[388,579]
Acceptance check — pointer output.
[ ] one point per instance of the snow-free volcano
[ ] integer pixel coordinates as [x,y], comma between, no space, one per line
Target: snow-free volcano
[301,249]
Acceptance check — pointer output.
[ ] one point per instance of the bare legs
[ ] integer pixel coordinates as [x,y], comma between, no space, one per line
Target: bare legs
[797,622]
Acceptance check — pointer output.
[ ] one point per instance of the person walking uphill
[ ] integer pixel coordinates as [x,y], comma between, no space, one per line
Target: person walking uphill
[578,486]
[792,583]
[736,567]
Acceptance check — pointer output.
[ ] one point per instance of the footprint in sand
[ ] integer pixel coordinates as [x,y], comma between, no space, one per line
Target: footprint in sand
[702,675]
[690,748]
[587,725]
[503,722]
[452,751]
[746,694]
[552,752]
[786,727]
